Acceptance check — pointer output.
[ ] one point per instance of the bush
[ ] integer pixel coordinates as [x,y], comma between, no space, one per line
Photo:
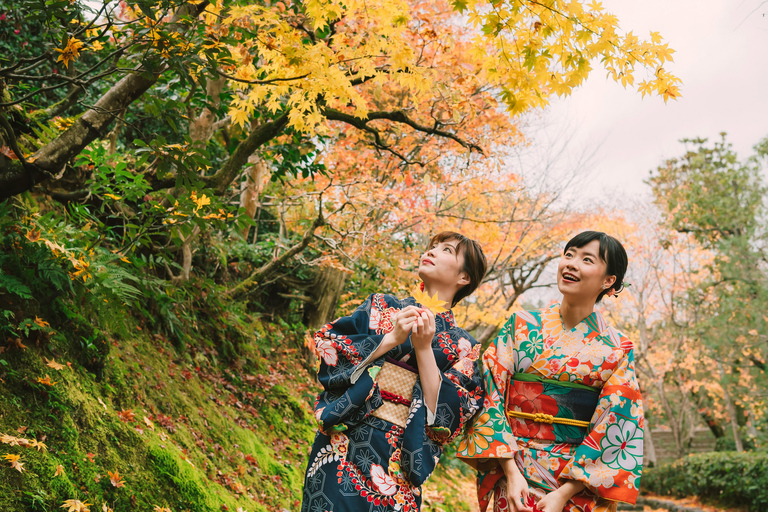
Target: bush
[728,478]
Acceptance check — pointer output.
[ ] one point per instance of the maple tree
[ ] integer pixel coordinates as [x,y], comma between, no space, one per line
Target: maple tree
[309,64]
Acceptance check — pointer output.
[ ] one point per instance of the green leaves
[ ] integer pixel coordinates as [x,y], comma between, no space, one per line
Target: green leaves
[728,478]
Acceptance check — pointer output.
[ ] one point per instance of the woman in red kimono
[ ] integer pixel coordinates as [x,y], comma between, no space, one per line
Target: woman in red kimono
[398,383]
[561,427]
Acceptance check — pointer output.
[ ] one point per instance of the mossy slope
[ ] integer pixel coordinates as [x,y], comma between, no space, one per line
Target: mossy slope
[181,429]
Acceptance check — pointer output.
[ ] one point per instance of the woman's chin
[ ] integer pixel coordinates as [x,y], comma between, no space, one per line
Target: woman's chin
[568,289]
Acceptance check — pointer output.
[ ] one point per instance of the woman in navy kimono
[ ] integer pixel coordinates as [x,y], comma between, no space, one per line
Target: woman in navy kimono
[398,383]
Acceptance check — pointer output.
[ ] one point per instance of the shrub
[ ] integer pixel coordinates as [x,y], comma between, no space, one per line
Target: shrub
[728,478]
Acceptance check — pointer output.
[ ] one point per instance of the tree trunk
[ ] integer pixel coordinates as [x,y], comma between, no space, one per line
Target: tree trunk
[731,409]
[326,289]
[250,190]
[486,333]
[649,446]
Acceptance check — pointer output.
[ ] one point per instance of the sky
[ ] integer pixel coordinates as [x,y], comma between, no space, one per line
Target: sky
[721,55]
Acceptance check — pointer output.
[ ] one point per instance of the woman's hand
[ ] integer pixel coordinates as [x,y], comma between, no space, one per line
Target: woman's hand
[553,502]
[404,322]
[423,330]
[517,487]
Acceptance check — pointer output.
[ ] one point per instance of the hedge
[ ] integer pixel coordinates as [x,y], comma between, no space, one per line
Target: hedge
[727,478]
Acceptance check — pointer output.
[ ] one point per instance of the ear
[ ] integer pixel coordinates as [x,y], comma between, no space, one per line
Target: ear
[608,281]
[463,279]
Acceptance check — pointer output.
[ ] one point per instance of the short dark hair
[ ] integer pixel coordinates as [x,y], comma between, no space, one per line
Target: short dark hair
[611,252]
[475,263]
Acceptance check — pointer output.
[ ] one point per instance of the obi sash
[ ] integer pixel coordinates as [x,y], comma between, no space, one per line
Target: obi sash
[547,409]
[396,380]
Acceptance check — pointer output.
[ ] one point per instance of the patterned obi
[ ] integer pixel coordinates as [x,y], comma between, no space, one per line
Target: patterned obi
[551,410]
[396,380]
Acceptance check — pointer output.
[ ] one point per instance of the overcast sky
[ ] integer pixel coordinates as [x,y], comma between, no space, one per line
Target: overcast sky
[721,57]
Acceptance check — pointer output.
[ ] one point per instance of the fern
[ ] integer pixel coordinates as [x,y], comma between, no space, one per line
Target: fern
[14,286]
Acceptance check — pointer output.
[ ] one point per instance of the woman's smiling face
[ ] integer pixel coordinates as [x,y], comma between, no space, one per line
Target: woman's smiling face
[582,272]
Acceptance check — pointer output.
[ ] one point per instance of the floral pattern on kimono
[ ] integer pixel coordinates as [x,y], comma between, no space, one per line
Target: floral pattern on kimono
[610,458]
[360,462]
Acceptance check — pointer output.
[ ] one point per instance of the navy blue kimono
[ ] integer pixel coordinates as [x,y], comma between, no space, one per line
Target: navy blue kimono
[363,463]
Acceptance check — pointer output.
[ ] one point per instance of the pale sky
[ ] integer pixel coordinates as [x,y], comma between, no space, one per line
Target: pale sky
[722,58]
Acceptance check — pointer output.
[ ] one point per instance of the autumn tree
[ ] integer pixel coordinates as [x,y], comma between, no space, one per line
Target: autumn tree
[171,109]
[719,201]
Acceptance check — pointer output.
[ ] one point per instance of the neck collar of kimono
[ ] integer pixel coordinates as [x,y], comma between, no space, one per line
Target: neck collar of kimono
[448,317]
[594,321]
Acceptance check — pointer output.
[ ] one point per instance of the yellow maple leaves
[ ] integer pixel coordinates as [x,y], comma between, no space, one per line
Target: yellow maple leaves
[533,50]
[76,506]
[51,363]
[46,381]
[14,460]
[433,304]
[70,51]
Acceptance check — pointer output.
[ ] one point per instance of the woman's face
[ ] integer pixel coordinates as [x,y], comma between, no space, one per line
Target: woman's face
[581,272]
[442,264]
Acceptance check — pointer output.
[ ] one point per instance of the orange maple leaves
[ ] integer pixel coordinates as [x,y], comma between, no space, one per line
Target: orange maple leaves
[115,479]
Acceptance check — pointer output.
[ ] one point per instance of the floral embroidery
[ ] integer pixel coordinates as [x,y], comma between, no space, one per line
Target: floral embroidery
[530,399]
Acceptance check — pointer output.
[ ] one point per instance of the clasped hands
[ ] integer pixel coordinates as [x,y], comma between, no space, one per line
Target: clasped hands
[418,322]
[521,500]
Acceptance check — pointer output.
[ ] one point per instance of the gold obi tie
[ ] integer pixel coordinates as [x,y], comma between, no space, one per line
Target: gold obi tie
[396,381]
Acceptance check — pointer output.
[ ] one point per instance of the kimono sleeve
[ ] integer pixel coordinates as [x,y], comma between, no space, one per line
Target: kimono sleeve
[610,459]
[460,394]
[346,372]
[489,435]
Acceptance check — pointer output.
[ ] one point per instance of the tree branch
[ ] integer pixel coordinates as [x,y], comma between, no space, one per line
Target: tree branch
[92,125]
[397,116]
[258,136]
[266,270]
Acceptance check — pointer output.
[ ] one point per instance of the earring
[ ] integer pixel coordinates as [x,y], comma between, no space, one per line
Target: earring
[604,287]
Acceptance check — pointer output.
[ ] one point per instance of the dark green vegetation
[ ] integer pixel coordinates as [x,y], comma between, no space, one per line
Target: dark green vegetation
[218,415]
[726,478]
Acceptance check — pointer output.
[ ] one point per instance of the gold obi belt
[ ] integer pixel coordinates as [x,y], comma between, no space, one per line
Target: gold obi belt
[396,380]
[539,408]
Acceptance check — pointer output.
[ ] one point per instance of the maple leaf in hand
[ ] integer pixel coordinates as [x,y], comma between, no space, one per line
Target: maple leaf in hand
[433,304]
[76,506]
[115,478]
[15,464]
